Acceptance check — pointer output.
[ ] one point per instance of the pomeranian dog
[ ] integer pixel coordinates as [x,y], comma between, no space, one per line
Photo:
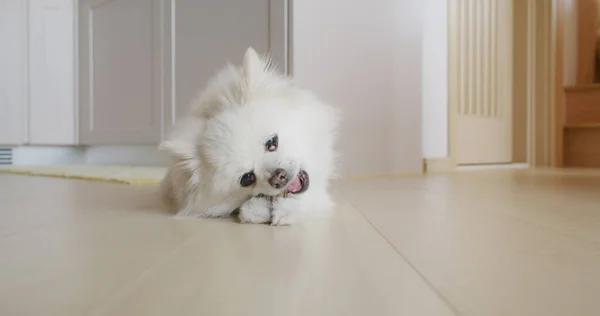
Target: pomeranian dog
[252,142]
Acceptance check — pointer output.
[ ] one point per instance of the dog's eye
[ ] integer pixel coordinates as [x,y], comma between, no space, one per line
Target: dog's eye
[272,144]
[247,179]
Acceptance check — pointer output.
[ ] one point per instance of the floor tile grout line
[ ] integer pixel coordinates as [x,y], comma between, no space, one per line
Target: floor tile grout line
[522,220]
[128,288]
[54,221]
[438,293]
[40,226]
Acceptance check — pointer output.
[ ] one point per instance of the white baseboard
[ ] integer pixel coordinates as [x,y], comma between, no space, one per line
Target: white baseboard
[438,165]
[493,166]
[48,155]
[383,175]
[125,155]
[97,155]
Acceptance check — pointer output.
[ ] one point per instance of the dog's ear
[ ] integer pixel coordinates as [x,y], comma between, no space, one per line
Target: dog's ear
[255,67]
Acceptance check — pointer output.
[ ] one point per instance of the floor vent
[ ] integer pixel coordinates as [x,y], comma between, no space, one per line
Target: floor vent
[6,155]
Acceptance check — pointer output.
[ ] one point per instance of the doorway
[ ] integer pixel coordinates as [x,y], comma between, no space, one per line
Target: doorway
[501,76]
[483,39]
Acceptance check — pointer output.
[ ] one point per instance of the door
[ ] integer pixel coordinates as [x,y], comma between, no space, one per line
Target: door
[13,80]
[209,34]
[52,112]
[121,79]
[481,32]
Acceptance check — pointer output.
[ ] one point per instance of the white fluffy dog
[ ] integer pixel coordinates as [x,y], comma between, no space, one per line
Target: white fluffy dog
[253,142]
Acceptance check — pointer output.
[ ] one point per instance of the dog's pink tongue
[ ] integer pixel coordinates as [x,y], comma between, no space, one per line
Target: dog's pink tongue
[294,186]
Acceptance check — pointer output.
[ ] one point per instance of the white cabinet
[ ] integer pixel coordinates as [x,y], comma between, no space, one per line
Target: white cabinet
[210,33]
[13,59]
[120,82]
[91,72]
[37,72]
[142,61]
[52,107]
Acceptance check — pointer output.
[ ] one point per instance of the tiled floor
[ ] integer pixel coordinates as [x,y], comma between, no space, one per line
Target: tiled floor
[473,243]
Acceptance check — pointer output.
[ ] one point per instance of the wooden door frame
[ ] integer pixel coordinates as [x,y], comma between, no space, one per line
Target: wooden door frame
[558,83]
[545,22]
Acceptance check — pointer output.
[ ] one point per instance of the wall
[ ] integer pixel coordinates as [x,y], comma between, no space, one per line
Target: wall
[365,58]
[435,79]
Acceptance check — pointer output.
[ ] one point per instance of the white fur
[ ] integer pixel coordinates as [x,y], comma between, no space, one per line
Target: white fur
[223,136]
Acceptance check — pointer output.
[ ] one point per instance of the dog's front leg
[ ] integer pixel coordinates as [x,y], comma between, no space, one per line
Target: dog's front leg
[255,210]
[287,211]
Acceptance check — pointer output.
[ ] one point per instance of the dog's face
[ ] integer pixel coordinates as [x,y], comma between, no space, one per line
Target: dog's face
[260,148]
[252,132]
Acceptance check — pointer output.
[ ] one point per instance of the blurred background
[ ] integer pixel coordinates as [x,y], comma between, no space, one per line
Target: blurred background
[431,83]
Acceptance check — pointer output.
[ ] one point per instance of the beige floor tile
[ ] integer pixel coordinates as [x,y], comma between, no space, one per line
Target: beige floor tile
[30,202]
[494,243]
[69,266]
[565,202]
[477,243]
[89,248]
[339,266]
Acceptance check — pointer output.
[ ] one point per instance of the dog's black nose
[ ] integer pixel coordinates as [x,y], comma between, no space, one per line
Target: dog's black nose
[279,179]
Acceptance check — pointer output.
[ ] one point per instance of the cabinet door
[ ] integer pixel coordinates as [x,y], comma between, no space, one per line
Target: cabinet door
[210,33]
[120,80]
[13,61]
[52,112]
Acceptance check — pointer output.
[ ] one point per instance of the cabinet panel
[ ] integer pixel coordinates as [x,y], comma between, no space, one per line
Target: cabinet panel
[142,62]
[52,112]
[120,71]
[208,34]
[13,59]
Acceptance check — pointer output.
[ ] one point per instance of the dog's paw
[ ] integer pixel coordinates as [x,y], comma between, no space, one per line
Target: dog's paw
[255,211]
[289,211]
[283,217]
